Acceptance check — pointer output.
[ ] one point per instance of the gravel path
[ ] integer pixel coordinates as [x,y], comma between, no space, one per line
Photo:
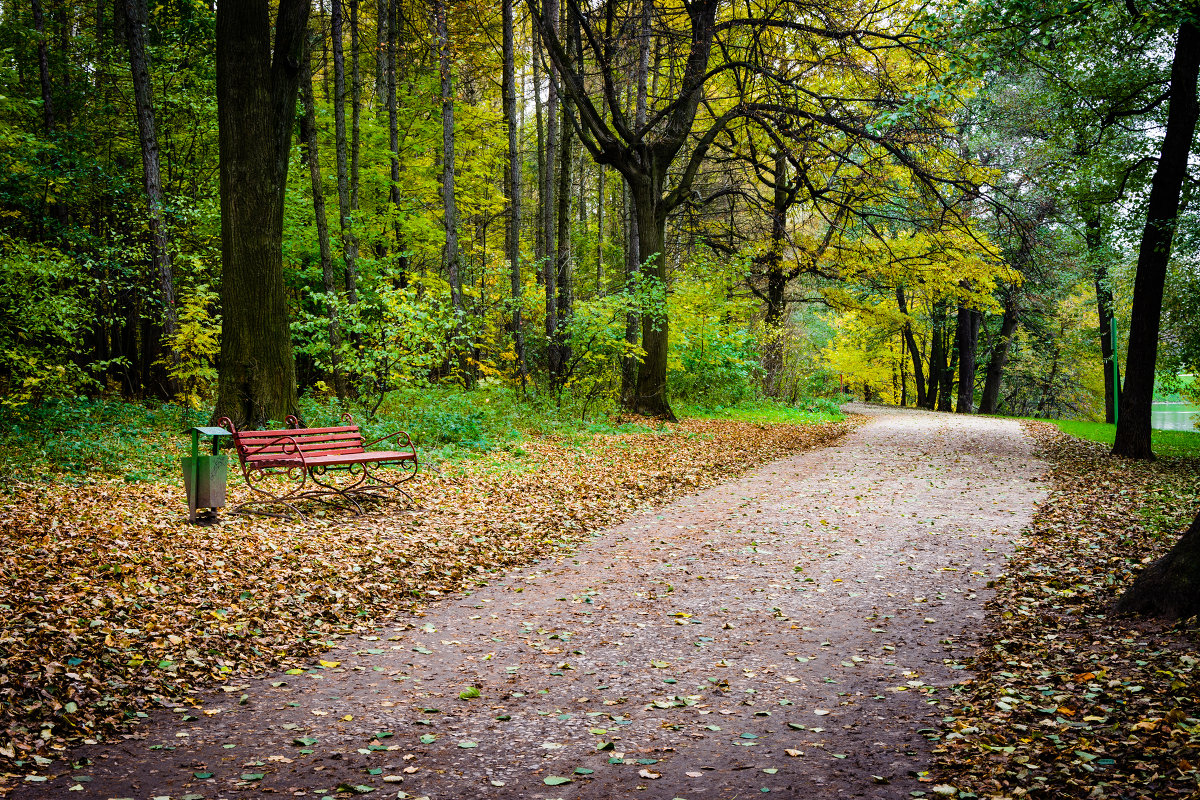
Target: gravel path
[782,633]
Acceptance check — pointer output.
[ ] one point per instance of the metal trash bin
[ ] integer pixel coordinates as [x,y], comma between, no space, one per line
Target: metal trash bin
[204,476]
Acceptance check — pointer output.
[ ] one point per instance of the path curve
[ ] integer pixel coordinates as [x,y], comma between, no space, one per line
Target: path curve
[782,633]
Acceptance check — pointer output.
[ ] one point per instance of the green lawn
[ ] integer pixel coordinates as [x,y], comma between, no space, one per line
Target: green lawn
[1167,444]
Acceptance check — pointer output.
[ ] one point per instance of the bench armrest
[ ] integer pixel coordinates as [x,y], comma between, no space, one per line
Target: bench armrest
[406,441]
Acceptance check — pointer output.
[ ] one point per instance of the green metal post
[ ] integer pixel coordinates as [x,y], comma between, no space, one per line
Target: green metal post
[1112,337]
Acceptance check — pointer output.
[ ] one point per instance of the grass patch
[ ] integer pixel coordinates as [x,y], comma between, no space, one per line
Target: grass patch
[1166,444]
[805,412]
[80,440]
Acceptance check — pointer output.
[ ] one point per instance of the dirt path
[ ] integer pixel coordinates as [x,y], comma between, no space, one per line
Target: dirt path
[781,633]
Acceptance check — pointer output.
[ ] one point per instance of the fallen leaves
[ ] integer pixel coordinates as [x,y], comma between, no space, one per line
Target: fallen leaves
[112,603]
[1066,702]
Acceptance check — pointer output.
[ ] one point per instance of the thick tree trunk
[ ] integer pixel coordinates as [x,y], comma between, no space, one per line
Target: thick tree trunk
[967,334]
[345,211]
[256,106]
[308,134]
[1169,587]
[160,253]
[512,178]
[651,393]
[913,350]
[1133,426]
[990,401]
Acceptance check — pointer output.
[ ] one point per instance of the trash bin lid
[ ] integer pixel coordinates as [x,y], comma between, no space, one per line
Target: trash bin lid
[209,431]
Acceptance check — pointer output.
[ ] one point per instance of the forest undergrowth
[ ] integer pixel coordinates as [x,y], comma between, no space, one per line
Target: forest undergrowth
[113,604]
[1066,701]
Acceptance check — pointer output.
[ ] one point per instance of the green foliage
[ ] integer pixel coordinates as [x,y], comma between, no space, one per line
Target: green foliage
[75,438]
[196,345]
[713,358]
[43,318]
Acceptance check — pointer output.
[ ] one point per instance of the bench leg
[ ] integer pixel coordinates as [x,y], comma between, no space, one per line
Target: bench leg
[256,481]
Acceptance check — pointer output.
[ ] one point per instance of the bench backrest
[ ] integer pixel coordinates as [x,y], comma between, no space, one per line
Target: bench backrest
[259,445]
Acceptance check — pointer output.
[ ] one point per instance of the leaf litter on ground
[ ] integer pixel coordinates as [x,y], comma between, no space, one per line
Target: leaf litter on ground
[113,604]
[1066,701]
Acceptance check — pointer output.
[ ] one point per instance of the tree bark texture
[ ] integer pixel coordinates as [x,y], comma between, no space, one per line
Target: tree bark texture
[549,206]
[1133,426]
[1104,314]
[341,144]
[512,177]
[913,350]
[39,25]
[160,253]
[1169,587]
[967,333]
[256,106]
[989,402]
[450,254]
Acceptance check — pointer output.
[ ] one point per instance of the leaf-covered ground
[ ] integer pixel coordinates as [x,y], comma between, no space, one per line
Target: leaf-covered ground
[111,602]
[1067,702]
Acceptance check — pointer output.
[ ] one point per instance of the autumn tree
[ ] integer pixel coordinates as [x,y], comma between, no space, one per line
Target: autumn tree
[257,79]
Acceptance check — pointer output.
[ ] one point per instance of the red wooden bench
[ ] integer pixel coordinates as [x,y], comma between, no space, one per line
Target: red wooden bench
[304,457]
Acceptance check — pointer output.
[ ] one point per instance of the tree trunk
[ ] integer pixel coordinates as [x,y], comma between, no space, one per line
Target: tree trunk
[160,253]
[1169,587]
[450,254]
[1104,314]
[633,261]
[39,25]
[355,107]
[539,248]
[1133,426]
[947,372]
[394,138]
[345,212]
[562,267]
[914,351]
[549,206]
[937,359]
[512,178]
[967,334]
[308,134]
[989,402]
[599,230]
[776,280]
[651,393]
[256,107]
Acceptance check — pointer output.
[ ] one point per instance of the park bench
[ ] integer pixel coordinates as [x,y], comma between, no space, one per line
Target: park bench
[285,465]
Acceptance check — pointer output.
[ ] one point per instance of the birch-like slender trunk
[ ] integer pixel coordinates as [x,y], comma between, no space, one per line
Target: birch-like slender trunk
[345,210]
[308,135]
[160,253]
